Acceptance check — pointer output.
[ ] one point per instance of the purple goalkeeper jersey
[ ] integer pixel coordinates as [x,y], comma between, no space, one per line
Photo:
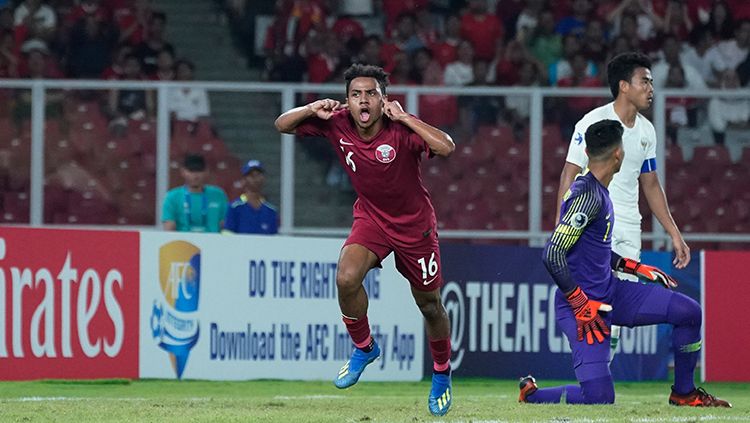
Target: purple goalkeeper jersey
[579,251]
[385,172]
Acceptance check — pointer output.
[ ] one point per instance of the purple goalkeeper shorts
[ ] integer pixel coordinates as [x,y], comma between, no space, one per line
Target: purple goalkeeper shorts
[633,304]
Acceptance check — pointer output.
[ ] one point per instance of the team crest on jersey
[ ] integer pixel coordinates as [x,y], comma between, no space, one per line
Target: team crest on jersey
[385,153]
[644,143]
[579,220]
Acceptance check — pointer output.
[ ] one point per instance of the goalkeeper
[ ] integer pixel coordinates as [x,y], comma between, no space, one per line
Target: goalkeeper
[590,298]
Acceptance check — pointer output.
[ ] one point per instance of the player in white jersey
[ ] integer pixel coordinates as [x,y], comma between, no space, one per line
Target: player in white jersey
[629,78]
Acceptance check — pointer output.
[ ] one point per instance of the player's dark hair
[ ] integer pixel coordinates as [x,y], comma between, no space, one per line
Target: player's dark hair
[602,137]
[368,71]
[621,68]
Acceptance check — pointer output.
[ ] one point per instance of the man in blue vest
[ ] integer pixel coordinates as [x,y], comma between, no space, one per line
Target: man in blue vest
[251,213]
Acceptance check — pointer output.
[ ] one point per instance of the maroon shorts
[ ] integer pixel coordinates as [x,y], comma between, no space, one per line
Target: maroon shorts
[418,263]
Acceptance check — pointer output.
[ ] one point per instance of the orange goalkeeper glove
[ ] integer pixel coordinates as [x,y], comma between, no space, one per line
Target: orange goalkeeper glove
[590,323]
[644,271]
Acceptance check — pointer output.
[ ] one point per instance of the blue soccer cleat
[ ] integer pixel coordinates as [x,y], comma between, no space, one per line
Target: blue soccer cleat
[441,395]
[352,370]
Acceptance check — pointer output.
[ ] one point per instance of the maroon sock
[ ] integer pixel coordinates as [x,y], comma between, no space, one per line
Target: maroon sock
[440,349]
[359,330]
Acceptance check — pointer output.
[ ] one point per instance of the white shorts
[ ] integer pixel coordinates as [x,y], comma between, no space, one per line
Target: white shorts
[626,241]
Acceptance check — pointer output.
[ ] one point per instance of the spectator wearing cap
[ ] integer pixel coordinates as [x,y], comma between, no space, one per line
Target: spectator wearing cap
[194,206]
[251,213]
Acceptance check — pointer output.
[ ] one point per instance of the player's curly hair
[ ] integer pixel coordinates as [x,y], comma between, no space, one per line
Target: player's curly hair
[602,137]
[370,71]
[621,68]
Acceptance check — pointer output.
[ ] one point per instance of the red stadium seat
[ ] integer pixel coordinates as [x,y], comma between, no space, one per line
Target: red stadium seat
[136,208]
[15,207]
[52,130]
[55,201]
[501,136]
[553,160]
[673,156]
[7,132]
[518,219]
[552,137]
[474,215]
[57,151]
[440,110]
[708,161]
[715,155]
[87,140]
[90,207]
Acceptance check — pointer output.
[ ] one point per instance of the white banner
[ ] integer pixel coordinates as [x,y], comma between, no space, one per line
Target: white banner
[236,307]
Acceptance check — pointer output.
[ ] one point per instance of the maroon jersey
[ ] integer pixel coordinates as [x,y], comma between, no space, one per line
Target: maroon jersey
[385,173]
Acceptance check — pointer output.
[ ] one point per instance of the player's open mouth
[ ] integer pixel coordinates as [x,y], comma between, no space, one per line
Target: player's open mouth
[364,115]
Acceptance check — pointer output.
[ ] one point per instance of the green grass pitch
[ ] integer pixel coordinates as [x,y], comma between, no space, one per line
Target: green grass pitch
[475,400]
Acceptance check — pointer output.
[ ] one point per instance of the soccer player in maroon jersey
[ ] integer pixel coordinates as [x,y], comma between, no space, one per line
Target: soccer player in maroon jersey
[381,146]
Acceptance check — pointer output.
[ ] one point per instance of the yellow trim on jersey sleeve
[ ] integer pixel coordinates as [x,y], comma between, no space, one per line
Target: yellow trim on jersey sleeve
[565,234]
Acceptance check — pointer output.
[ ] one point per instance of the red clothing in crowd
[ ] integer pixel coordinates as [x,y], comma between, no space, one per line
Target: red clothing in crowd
[482,31]
[320,67]
[393,8]
[740,9]
[299,19]
[347,28]
[581,104]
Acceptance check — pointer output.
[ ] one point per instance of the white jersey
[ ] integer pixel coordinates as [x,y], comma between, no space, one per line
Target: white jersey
[639,143]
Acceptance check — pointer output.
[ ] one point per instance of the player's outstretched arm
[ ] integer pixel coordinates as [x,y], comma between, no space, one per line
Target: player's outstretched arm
[323,109]
[441,144]
[657,202]
[643,271]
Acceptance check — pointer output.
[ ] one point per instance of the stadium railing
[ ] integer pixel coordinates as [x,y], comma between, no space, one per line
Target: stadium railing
[288,95]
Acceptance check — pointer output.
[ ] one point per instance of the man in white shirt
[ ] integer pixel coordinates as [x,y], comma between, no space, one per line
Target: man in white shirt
[728,112]
[630,82]
[461,72]
[188,104]
[734,51]
[671,57]
[701,56]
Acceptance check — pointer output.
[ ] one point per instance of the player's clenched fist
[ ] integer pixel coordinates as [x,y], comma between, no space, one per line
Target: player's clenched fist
[394,111]
[326,107]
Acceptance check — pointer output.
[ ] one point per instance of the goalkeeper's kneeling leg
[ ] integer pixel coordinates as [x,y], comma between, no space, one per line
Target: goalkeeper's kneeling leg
[598,391]
[596,384]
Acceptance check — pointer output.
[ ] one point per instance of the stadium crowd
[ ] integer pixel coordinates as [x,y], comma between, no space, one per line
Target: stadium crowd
[695,44]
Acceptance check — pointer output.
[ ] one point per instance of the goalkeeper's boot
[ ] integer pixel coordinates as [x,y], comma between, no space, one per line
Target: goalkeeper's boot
[698,398]
[528,387]
[352,370]
[441,394]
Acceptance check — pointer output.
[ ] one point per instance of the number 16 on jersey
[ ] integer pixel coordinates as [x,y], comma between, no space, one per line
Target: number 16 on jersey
[429,269]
